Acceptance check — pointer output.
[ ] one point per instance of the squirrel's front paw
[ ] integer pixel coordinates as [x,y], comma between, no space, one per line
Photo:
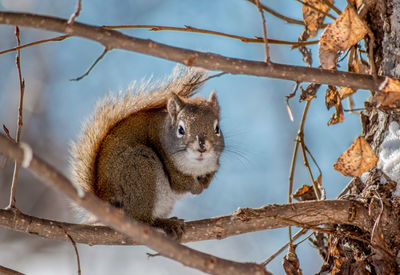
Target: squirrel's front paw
[204,180]
[173,227]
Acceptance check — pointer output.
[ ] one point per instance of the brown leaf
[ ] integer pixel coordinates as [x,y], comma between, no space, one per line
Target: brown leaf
[388,94]
[291,263]
[309,92]
[346,31]
[312,18]
[332,98]
[357,159]
[345,92]
[305,193]
[338,116]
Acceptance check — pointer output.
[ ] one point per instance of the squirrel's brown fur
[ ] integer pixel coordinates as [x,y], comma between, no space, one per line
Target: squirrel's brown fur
[143,151]
[111,110]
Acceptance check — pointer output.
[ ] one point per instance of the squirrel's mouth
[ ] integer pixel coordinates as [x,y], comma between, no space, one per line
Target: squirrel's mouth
[200,158]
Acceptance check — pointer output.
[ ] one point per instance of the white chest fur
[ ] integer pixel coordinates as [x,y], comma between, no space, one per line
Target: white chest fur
[165,197]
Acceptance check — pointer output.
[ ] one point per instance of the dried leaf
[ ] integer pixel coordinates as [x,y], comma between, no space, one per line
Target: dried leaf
[305,193]
[357,159]
[388,94]
[309,92]
[338,116]
[291,263]
[332,98]
[346,31]
[312,18]
[345,92]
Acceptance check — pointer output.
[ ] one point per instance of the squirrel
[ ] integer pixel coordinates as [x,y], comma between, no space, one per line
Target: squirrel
[143,151]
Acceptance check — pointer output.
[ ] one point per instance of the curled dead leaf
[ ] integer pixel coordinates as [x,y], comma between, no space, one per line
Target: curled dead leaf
[345,92]
[312,18]
[291,263]
[346,31]
[332,98]
[305,193]
[309,92]
[388,94]
[357,159]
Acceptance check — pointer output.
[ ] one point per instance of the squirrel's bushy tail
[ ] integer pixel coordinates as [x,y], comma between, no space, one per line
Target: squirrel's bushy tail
[112,109]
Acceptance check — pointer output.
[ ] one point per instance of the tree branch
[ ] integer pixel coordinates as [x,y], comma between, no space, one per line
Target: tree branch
[7,271]
[115,218]
[115,40]
[312,213]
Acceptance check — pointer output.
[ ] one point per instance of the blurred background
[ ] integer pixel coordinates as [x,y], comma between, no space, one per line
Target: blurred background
[259,135]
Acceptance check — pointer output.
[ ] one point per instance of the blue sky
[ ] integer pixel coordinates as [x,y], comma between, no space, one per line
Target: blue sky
[259,134]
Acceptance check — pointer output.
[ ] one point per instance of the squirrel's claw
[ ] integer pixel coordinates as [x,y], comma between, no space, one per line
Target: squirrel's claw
[173,227]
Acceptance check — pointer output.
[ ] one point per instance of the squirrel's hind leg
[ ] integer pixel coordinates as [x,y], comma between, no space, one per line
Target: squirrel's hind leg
[140,186]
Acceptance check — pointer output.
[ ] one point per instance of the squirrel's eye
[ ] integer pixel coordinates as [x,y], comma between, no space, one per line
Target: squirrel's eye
[181,129]
[216,128]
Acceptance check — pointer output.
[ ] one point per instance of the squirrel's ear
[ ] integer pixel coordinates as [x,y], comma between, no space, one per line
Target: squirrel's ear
[174,106]
[214,101]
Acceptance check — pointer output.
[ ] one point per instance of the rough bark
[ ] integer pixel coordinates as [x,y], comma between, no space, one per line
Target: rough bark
[378,252]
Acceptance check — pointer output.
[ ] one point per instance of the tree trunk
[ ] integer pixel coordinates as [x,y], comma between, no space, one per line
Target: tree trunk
[353,251]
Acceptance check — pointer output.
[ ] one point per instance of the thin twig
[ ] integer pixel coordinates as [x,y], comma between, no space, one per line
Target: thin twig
[304,239]
[294,157]
[306,163]
[212,76]
[76,13]
[303,225]
[17,165]
[92,66]
[313,159]
[198,30]
[332,6]
[289,96]
[264,26]
[7,132]
[316,9]
[57,38]
[78,261]
[278,15]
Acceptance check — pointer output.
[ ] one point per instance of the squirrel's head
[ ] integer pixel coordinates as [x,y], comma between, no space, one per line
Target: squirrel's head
[193,134]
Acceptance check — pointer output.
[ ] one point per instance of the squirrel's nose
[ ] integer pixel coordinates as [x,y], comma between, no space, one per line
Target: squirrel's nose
[202,146]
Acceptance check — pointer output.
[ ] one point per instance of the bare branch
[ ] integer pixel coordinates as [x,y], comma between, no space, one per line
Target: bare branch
[311,214]
[278,15]
[264,27]
[17,165]
[57,38]
[198,30]
[92,66]
[8,271]
[76,13]
[78,261]
[112,39]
